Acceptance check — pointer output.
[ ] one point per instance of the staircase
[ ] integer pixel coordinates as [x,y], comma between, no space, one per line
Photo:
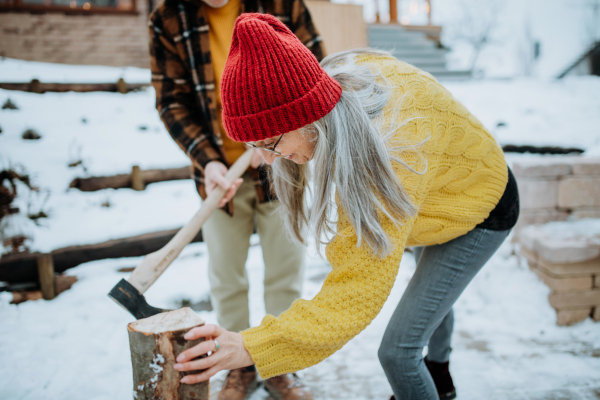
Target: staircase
[414,48]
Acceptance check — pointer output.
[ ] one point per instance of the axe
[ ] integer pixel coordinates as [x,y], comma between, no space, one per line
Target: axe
[130,293]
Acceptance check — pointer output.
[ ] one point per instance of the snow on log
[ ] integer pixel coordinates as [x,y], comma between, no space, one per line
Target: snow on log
[155,343]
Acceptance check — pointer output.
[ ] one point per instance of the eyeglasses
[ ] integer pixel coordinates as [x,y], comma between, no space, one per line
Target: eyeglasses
[266,148]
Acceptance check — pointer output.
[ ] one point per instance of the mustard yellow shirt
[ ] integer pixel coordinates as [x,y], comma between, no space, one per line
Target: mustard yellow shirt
[466,176]
[221,22]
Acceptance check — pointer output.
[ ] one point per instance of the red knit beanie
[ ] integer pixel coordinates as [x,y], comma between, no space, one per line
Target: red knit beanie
[272,84]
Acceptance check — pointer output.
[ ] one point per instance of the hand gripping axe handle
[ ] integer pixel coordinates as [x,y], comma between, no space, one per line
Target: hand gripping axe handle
[130,293]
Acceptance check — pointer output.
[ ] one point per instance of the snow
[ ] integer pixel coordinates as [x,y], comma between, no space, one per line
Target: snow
[506,343]
[12,70]
[584,230]
[562,113]
[154,366]
[109,142]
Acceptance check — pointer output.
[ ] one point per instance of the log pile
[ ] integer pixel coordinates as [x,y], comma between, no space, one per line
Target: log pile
[155,343]
[566,257]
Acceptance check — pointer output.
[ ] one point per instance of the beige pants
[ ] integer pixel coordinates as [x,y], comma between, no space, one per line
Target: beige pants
[228,241]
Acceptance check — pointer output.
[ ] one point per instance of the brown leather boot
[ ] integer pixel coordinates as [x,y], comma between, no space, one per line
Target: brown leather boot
[239,384]
[287,387]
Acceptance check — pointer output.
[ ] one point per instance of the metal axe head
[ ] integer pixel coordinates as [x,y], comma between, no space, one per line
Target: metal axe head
[128,297]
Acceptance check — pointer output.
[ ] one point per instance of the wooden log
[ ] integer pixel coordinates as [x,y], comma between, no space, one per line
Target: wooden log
[155,343]
[511,148]
[45,268]
[35,86]
[61,282]
[122,86]
[20,268]
[21,297]
[20,287]
[102,182]
[124,180]
[137,180]
[64,282]
[43,87]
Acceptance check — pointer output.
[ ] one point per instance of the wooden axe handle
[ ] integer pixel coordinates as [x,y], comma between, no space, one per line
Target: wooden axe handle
[154,264]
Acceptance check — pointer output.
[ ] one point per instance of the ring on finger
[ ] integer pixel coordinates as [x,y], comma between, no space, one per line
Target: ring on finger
[217,346]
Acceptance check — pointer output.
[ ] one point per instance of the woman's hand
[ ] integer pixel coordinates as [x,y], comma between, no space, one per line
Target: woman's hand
[214,174]
[231,353]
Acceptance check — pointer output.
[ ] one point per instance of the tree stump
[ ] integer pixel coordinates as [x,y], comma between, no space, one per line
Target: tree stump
[155,344]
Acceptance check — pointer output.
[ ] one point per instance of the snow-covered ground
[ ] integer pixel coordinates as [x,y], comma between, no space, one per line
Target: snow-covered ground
[506,343]
[12,70]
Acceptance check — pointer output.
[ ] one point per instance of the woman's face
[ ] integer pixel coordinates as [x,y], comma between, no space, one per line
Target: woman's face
[294,146]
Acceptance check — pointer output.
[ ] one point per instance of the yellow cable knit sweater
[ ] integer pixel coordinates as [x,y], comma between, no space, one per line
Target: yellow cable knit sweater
[466,176]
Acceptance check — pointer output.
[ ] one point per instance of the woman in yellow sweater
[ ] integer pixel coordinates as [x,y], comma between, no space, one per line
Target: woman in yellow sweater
[394,161]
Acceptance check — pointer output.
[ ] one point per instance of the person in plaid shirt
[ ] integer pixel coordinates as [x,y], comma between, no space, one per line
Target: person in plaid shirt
[189,44]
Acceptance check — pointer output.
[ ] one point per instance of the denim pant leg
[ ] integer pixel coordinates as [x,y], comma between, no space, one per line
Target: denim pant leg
[439,346]
[443,272]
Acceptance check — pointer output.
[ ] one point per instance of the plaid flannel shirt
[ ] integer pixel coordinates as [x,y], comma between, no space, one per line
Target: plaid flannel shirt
[183,77]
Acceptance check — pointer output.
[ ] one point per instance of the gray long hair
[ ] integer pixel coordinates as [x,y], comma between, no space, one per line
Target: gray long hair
[354,151]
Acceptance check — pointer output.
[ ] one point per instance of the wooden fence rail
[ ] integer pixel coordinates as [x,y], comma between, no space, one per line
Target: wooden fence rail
[23,268]
[35,86]
[125,180]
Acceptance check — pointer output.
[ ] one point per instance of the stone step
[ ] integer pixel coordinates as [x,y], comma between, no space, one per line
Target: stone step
[398,38]
[414,48]
[436,54]
[392,31]
[401,44]
[410,58]
[425,64]
[445,75]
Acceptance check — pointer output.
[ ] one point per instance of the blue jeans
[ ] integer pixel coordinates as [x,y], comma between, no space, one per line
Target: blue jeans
[424,314]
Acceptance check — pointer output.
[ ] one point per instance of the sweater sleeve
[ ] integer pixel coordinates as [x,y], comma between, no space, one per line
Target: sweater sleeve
[351,297]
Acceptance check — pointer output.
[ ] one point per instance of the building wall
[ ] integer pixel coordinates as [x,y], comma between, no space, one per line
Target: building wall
[122,40]
[341,26]
[96,39]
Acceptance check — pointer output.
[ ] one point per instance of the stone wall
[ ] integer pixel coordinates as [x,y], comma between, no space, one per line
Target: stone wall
[96,39]
[557,188]
[566,257]
[559,231]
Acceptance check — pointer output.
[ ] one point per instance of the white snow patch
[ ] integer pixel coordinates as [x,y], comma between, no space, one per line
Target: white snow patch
[588,229]
[155,365]
[12,70]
